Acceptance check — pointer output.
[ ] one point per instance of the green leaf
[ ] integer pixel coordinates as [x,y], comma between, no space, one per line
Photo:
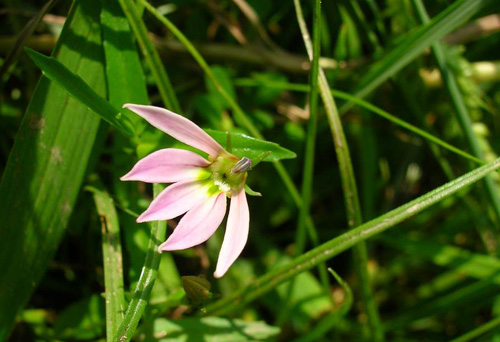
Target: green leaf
[475,265]
[305,299]
[213,329]
[47,164]
[245,146]
[83,320]
[80,90]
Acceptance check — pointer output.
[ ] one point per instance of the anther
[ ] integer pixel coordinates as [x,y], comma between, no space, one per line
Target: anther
[242,165]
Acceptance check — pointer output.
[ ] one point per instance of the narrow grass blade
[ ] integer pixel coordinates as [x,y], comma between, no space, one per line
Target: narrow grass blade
[47,164]
[112,260]
[489,326]
[463,115]
[415,44]
[22,37]
[80,90]
[308,167]
[343,242]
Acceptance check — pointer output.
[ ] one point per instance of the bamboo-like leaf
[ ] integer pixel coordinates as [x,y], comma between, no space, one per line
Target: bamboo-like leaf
[345,241]
[80,90]
[244,146]
[47,164]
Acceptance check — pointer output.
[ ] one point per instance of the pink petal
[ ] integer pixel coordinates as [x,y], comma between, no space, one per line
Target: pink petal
[197,225]
[168,166]
[174,201]
[178,127]
[236,233]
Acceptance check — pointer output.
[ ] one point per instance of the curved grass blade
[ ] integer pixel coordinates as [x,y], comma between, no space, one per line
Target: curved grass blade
[345,241]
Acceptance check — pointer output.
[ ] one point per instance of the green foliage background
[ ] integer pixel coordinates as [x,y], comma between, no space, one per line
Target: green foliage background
[390,127]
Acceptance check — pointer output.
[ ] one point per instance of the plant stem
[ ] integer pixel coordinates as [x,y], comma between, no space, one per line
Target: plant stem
[146,281]
[351,198]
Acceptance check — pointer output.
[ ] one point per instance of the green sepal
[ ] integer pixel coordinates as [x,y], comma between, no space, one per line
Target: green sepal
[250,192]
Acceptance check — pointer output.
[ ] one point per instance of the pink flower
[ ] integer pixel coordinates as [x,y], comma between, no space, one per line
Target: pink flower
[199,188]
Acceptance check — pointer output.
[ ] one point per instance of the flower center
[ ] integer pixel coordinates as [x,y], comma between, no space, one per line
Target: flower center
[229,173]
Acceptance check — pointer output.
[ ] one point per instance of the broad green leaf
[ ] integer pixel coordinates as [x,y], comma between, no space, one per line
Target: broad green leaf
[245,146]
[125,76]
[213,329]
[80,90]
[83,320]
[47,165]
[304,303]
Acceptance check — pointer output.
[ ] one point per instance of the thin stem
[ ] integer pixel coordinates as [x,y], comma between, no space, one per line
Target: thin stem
[308,169]
[146,281]
[343,242]
[351,198]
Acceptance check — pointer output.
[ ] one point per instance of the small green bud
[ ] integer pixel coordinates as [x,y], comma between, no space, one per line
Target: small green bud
[197,289]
